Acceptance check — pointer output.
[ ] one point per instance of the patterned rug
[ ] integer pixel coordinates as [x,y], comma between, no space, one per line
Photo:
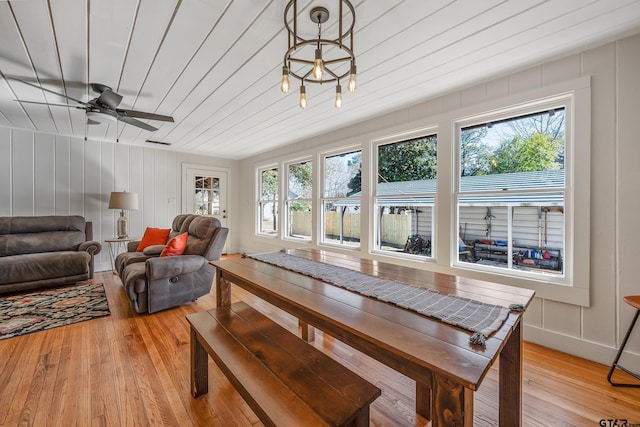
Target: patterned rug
[48,309]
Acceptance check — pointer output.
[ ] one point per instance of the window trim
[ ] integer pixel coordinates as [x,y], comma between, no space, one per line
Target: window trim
[574,287]
[260,200]
[322,198]
[372,200]
[285,200]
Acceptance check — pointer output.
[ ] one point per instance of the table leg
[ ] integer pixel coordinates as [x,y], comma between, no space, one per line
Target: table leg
[112,256]
[308,332]
[223,290]
[199,367]
[452,403]
[510,382]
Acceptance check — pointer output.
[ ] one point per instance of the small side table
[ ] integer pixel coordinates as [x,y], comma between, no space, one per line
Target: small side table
[115,247]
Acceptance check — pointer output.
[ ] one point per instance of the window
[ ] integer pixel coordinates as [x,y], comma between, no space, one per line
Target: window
[207,195]
[512,192]
[341,199]
[299,202]
[268,202]
[405,195]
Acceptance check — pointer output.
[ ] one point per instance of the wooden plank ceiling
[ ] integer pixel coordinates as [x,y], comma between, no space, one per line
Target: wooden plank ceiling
[215,65]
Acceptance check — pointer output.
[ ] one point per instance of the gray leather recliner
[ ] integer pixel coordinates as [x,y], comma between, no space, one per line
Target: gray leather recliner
[153,283]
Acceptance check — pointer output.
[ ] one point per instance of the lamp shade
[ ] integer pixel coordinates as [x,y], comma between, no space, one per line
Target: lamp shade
[123,200]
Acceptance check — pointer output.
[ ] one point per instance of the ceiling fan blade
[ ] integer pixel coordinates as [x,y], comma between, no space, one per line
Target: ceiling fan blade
[109,98]
[137,123]
[143,115]
[48,90]
[49,104]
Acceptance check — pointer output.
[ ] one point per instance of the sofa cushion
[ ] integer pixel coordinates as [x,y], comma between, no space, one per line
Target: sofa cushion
[201,231]
[24,235]
[34,267]
[178,223]
[30,224]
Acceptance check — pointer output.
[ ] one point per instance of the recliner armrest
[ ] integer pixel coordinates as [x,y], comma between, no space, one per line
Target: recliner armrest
[91,246]
[163,267]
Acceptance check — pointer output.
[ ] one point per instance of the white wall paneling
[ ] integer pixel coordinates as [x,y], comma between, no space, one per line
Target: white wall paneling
[5,172]
[594,331]
[45,174]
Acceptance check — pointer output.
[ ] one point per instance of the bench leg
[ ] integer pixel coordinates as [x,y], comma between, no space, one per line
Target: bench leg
[308,332]
[199,367]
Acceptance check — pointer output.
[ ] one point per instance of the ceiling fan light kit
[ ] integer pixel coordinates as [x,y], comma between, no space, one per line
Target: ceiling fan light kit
[333,58]
[95,116]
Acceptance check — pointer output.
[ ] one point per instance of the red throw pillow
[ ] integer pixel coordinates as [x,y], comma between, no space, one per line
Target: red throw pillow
[153,236]
[176,246]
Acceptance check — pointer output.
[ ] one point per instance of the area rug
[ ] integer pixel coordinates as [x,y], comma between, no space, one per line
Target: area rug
[48,309]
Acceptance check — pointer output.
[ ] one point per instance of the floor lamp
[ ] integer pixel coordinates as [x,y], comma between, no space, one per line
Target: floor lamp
[123,201]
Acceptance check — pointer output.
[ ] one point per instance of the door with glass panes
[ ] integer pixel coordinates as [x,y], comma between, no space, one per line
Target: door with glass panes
[205,192]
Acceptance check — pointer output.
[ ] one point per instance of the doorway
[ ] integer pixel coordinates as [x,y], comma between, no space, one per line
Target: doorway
[204,192]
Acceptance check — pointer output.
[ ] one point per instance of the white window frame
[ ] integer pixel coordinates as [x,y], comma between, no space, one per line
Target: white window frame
[374,219]
[324,199]
[261,201]
[287,201]
[573,286]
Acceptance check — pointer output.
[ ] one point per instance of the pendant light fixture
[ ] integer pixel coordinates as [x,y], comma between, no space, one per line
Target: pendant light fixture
[333,58]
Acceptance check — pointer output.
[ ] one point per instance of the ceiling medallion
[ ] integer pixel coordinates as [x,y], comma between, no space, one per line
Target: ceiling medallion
[320,59]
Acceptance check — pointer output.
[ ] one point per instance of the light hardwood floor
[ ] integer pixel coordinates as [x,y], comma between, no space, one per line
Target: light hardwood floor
[129,369]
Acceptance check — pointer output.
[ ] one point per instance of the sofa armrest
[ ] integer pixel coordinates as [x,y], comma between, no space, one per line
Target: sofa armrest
[170,266]
[132,246]
[91,246]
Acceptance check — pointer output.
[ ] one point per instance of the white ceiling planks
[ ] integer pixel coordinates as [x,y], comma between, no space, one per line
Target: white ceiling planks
[256,100]
[228,48]
[152,23]
[215,66]
[40,44]
[16,63]
[110,28]
[71,46]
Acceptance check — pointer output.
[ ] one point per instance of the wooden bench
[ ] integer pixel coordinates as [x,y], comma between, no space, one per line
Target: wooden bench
[285,380]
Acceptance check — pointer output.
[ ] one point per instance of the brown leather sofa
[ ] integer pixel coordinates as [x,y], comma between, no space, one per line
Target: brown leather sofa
[153,283]
[45,251]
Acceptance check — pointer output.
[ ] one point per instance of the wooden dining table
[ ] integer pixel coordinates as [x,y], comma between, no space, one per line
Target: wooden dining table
[445,365]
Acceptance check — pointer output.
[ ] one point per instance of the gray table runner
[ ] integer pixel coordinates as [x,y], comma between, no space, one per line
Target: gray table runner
[480,318]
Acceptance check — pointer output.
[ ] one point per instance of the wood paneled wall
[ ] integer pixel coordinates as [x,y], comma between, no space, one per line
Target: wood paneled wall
[45,174]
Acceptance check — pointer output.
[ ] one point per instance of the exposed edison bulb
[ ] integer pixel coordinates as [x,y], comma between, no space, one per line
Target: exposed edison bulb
[338,101]
[303,97]
[318,65]
[285,85]
[351,86]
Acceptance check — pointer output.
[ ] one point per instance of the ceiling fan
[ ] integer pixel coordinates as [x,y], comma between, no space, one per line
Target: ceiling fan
[105,106]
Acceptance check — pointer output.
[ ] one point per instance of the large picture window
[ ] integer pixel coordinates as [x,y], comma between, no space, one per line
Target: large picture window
[268,201]
[405,196]
[341,199]
[299,200]
[512,192]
